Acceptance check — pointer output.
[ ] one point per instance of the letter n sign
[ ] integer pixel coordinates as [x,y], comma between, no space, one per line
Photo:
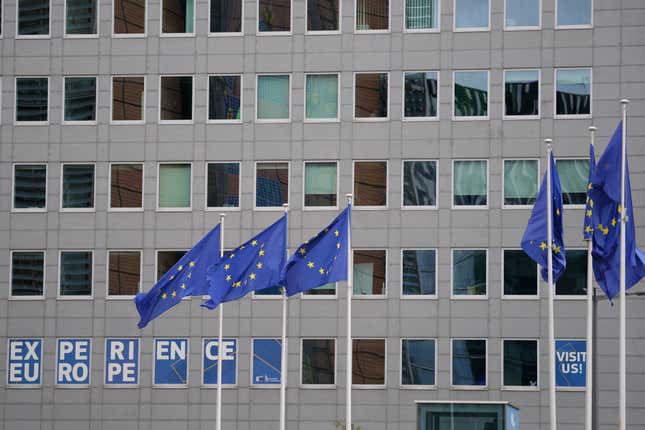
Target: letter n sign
[121,362]
[24,362]
[171,362]
[73,362]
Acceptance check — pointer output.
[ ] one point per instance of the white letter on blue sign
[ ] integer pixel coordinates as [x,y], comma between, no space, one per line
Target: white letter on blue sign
[121,361]
[171,362]
[209,361]
[73,362]
[24,364]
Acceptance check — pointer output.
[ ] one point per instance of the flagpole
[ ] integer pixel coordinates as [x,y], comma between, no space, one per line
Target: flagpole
[549,223]
[350,292]
[218,419]
[283,344]
[622,395]
[588,365]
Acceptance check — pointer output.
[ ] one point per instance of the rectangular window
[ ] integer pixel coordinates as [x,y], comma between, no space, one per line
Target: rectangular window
[370,183]
[574,13]
[521,93]
[273,98]
[520,182]
[130,17]
[520,363]
[369,272]
[223,185]
[225,16]
[318,362]
[322,291]
[225,98]
[32,99]
[421,14]
[421,89]
[419,184]
[80,17]
[470,183]
[178,17]
[323,15]
[266,363]
[274,16]
[78,186]
[522,14]
[124,273]
[274,292]
[470,95]
[520,274]
[419,272]
[29,186]
[27,273]
[574,175]
[573,92]
[368,362]
[271,185]
[174,186]
[126,186]
[75,274]
[370,95]
[321,97]
[176,102]
[469,272]
[574,280]
[471,15]
[33,18]
[167,259]
[469,362]
[80,99]
[372,15]
[320,184]
[418,365]
[128,98]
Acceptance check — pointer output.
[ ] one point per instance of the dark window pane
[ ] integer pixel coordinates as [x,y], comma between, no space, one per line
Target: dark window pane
[30,186]
[421,94]
[271,291]
[521,93]
[468,272]
[224,96]
[226,16]
[80,99]
[81,17]
[520,274]
[178,16]
[271,184]
[125,273]
[76,273]
[471,94]
[126,186]
[323,290]
[31,99]
[33,17]
[320,184]
[520,363]
[368,361]
[369,272]
[129,16]
[127,98]
[573,92]
[223,187]
[176,98]
[468,362]
[27,273]
[421,14]
[370,96]
[274,15]
[574,175]
[462,416]
[419,272]
[78,186]
[322,15]
[372,14]
[470,186]
[167,259]
[418,362]
[318,361]
[419,183]
[520,182]
[574,280]
[370,183]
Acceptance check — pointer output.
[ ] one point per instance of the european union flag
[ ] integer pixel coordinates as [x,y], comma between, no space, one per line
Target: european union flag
[535,240]
[320,260]
[587,227]
[186,278]
[604,199]
[252,266]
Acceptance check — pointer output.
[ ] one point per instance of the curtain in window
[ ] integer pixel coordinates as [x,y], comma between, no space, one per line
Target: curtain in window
[174,186]
[573,92]
[520,182]
[322,96]
[372,14]
[420,14]
[190,16]
[273,97]
[574,175]
[470,183]
[320,184]
[363,278]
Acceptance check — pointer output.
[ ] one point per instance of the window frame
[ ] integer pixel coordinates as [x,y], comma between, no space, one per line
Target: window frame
[180,35]
[174,209]
[34,36]
[537,181]
[521,297]
[403,386]
[555,92]
[387,107]
[255,185]
[202,385]
[469,387]
[456,29]
[115,35]
[154,363]
[117,297]
[452,102]
[252,384]
[387,185]
[338,104]
[434,296]
[572,338]
[523,27]
[225,33]
[539,101]
[318,386]
[90,354]
[334,296]
[326,32]
[62,182]
[60,296]
[208,89]
[239,189]
[274,33]
[11,296]
[382,386]
[176,121]
[82,36]
[96,101]
[13,188]
[452,186]
[528,388]
[16,122]
[436,29]
[556,26]
[570,297]
[143,185]
[273,120]
[386,289]
[143,106]
[320,208]
[468,297]
[388,30]
[434,207]
[435,118]
[137,359]
[573,206]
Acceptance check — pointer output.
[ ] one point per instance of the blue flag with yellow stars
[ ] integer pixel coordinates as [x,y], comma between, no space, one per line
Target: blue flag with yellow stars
[606,214]
[587,227]
[320,260]
[252,266]
[535,240]
[186,278]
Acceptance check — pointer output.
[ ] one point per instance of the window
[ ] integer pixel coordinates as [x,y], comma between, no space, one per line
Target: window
[271,185]
[574,13]
[574,176]
[124,273]
[223,185]
[126,186]
[471,15]
[520,182]
[178,17]
[522,14]
[75,274]
[469,272]
[80,99]
[27,273]
[167,259]
[128,98]
[176,99]
[129,17]
[421,14]
[274,16]
[30,187]
[78,187]
[520,274]
[32,99]
[318,362]
[80,17]
[460,415]
[368,362]
[175,186]
[418,365]
[520,363]
[323,15]
[471,95]
[469,362]
[225,98]
[322,291]
[574,280]
[370,183]
[321,99]
[369,272]
[273,98]
[419,272]
[274,292]
[33,18]
[470,183]
[320,184]
[572,92]
[372,15]
[419,184]
[421,89]
[521,93]
[266,362]
[225,16]
[370,96]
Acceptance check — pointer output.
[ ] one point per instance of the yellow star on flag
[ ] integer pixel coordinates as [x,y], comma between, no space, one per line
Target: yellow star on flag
[232,255]
[237,284]
[620,209]
[589,187]
[311,264]
[543,246]
[588,229]
[252,276]
[557,211]
[174,293]
[336,233]
[180,268]
[227,266]
[605,231]
[302,251]
[182,286]
[191,264]
[322,271]
[590,203]
[228,277]
[613,222]
[556,249]
[255,242]
[259,265]
[589,213]
[164,295]
[261,253]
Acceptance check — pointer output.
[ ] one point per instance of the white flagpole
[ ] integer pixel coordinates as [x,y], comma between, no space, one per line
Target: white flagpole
[549,217]
[218,417]
[283,354]
[622,395]
[350,291]
[588,364]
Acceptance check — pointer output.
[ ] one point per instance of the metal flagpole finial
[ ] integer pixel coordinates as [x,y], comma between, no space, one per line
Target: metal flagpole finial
[548,144]
[349,198]
[593,128]
[222,215]
[624,102]
[285,206]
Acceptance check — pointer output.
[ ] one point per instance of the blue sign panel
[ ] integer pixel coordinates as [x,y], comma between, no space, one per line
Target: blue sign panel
[267,355]
[73,362]
[121,362]
[570,363]
[171,362]
[210,352]
[24,362]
